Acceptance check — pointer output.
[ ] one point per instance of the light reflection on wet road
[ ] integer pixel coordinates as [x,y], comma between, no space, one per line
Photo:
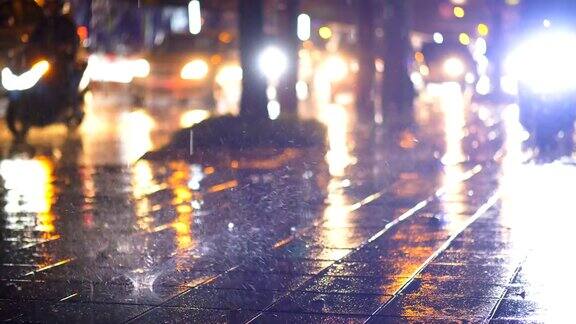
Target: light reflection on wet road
[435,222]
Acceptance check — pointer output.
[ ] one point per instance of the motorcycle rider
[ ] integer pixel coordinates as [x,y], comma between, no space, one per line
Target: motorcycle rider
[56,33]
[55,37]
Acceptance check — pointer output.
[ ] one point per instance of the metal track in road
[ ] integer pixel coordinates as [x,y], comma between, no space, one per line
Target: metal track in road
[362,202]
[512,278]
[479,213]
[409,213]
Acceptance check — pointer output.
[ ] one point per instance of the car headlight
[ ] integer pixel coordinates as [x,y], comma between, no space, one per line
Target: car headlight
[273,62]
[229,73]
[545,62]
[335,68]
[140,68]
[454,67]
[195,70]
[120,70]
[26,80]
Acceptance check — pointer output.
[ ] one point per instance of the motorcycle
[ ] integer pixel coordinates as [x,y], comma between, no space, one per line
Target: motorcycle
[43,93]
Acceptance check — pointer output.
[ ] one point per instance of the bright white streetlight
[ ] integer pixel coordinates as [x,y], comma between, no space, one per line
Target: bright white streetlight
[194,17]
[303,28]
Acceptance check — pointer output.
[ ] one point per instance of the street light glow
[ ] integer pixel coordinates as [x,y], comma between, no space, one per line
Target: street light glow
[273,62]
[325,32]
[464,39]
[194,17]
[459,12]
[303,27]
[438,38]
[482,29]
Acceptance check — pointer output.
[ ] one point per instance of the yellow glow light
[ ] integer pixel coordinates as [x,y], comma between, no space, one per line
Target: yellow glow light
[482,29]
[325,32]
[194,70]
[424,70]
[459,12]
[193,117]
[464,39]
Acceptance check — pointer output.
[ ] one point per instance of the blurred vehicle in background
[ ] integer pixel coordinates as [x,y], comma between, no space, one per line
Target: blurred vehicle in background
[543,64]
[40,94]
[439,62]
[328,64]
[185,67]
[45,79]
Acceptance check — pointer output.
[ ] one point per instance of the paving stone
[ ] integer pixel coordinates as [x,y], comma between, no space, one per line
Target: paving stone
[349,304]
[213,298]
[187,315]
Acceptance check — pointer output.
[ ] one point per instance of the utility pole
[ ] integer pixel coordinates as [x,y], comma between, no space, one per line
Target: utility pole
[251,34]
[291,44]
[496,49]
[397,89]
[366,74]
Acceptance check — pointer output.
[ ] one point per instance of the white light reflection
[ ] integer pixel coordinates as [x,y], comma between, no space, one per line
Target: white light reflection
[537,208]
[27,183]
[336,119]
[273,109]
[29,189]
[453,106]
[135,128]
[337,213]
[143,184]
[196,176]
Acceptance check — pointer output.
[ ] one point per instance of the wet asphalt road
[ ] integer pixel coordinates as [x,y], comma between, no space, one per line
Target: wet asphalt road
[444,222]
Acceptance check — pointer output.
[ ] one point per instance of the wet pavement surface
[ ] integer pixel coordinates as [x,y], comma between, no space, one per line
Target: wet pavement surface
[449,221]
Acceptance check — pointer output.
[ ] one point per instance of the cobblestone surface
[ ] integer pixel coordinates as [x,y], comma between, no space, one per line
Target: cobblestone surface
[445,223]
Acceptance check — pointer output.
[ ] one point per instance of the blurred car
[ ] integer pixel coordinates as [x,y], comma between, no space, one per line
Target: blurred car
[185,68]
[445,62]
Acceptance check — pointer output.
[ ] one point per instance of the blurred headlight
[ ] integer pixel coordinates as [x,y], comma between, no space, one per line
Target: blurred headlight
[26,80]
[121,70]
[335,68]
[454,67]
[192,117]
[195,70]
[545,62]
[229,73]
[273,63]
[140,68]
